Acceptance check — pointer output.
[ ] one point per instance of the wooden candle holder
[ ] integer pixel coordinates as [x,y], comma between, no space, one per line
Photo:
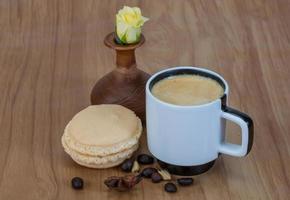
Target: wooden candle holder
[125,85]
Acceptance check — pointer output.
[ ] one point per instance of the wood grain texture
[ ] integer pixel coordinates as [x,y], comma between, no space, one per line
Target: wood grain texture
[52,53]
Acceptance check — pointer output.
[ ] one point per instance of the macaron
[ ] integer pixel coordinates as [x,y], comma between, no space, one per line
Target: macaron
[102,136]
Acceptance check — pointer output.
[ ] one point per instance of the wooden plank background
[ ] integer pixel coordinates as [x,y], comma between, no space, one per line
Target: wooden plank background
[52,52]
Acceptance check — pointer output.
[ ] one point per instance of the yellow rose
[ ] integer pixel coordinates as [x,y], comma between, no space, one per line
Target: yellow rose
[128,24]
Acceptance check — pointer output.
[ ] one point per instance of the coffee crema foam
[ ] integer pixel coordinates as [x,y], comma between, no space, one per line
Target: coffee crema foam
[187,90]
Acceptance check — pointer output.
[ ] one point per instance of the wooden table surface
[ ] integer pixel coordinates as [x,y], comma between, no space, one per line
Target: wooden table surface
[52,53]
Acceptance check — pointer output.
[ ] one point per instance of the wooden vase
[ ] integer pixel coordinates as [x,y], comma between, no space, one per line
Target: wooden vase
[125,85]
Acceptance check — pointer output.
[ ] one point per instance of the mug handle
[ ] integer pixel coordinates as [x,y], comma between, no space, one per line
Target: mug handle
[247,128]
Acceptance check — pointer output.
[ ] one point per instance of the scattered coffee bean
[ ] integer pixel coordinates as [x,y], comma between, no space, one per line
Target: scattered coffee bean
[147,172]
[127,165]
[145,159]
[156,177]
[77,183]
[170,187]
[185,181]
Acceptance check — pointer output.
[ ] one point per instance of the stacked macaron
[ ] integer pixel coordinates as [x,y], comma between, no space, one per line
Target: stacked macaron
[102,136]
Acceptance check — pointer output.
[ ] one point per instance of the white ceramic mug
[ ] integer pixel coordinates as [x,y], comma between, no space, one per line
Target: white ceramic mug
[188,139]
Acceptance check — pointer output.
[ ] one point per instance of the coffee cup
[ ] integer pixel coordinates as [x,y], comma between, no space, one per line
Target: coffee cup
[187,139]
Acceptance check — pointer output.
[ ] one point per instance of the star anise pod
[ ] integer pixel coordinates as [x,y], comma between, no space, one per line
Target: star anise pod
[124,183]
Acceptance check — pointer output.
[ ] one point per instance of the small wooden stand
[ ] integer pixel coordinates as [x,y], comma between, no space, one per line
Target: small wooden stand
[125,85]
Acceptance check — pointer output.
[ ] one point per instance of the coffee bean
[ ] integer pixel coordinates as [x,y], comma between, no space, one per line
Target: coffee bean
[147,172]
[77,183]
[127,165]
[145,159]
[156,177]
[185,181]
[170,187]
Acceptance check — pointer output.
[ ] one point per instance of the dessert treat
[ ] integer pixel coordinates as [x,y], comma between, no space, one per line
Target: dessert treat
[102,136]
